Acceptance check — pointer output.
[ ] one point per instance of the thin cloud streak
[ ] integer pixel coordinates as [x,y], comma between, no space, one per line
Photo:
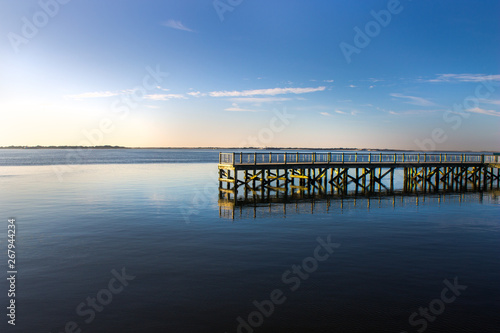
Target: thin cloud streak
[485,112]
[490,101]
[164,97]
[265,92]
[236,108]
[260,99]
[465,78]
[414,100]
[95,94]
[176,25]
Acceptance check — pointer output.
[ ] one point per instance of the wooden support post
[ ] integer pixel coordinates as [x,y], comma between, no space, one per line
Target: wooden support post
[364,180]
[392,180]
[235,185]
[286,182]
[262,181]
[424,175]
[437,178]
[346,171]
[498,177]
[379,179]
[325,181]
[372,181]
[308,181]
[405,179]
[485,177]
[357,180]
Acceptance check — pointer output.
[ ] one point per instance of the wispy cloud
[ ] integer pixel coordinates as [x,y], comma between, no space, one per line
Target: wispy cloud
[164,97]
[265,92]
[95,94]
[412,112]
[176,25]
[196,94]
[352,113]
[465,78]
[414,100]
[326,114]
[483,111]
[236,108]
[260,99]
[490,101]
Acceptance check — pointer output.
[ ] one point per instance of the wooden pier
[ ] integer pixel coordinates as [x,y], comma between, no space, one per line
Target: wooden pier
[283,173]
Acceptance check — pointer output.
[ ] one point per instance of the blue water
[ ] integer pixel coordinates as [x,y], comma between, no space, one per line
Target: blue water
[196,270]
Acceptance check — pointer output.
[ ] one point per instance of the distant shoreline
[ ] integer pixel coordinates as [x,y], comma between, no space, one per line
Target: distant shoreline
[238,148]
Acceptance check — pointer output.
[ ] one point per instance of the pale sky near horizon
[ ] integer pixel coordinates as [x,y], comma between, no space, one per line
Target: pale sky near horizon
[403,74]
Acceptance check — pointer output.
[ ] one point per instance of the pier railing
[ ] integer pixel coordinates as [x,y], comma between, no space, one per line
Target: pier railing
[351,158]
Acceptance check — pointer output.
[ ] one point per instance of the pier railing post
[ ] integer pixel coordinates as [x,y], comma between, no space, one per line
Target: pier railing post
[233,160]
[342,158]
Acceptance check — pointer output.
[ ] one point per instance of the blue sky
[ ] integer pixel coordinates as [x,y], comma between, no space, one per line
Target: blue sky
[404,74]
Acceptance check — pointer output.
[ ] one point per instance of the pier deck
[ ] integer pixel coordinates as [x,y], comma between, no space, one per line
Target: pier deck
[339,173]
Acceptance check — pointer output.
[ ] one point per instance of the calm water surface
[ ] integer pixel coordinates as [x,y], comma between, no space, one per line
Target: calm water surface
[195,271]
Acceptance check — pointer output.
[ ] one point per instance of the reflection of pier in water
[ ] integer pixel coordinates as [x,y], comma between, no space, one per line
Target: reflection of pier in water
[280,207]
[263,179]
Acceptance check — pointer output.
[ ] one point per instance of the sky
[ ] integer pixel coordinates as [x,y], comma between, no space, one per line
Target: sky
[417,75]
